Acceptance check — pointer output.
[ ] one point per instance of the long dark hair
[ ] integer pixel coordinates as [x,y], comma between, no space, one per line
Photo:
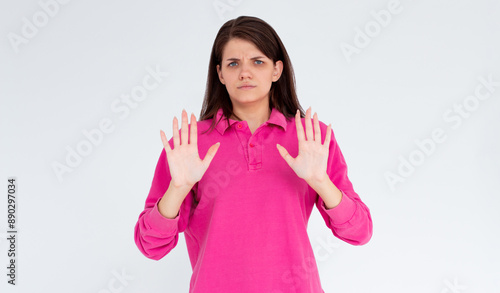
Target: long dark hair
[282,95]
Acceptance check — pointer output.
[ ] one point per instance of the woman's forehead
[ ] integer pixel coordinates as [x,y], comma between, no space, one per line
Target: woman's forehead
[239,48]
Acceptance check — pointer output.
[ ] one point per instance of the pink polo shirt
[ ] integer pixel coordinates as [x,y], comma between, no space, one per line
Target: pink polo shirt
[245,221]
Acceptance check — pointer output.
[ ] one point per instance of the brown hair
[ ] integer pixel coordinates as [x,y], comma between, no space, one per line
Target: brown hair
[282,93]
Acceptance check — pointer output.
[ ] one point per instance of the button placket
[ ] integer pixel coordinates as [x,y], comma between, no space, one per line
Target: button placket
[242,136]
[255,150]
[251,145]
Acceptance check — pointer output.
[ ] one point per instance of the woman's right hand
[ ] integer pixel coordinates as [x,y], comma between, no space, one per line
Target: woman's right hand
[186,167]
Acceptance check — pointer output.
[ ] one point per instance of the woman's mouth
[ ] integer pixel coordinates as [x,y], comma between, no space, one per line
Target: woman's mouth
[246,87]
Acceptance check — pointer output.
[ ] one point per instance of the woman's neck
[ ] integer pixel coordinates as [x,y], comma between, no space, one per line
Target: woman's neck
[254,117]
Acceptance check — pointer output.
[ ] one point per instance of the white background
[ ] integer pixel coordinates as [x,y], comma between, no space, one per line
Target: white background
[435,231]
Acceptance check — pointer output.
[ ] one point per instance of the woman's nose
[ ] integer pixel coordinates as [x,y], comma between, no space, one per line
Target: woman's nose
[245,71]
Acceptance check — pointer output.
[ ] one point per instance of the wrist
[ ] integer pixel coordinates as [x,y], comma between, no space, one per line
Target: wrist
[319,183]
[172,200]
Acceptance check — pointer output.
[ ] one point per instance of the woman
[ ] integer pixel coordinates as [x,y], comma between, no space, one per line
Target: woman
[244,208]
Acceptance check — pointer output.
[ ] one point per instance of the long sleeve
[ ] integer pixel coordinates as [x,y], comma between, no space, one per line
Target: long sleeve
[245,221]
[349,221]
[156,235]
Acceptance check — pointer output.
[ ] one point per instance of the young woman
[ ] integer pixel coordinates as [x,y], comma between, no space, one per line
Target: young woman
[245,206]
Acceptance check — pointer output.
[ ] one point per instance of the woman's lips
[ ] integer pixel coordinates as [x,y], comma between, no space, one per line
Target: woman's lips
[246,87]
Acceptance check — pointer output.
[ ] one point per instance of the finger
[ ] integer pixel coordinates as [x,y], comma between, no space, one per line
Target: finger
[193,136]
[184,128]
[285,155]
[317,130]
[309,130]
[175,129]
[210,154]
[298,125]
[164,140]
[328,136]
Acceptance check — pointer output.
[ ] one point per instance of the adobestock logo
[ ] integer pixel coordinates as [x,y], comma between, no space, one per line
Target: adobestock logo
[218,181]
[221,6]
[328,246]
[372,29]
[454,116]
[453,287]
[40,19]
[118,282]
[122,107]
[221,179]
[297,274]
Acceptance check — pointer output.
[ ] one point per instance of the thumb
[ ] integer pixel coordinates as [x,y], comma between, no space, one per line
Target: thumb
[285,155]
[210,154]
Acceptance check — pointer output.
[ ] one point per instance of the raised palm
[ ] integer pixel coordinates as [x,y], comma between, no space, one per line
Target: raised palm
[186,167]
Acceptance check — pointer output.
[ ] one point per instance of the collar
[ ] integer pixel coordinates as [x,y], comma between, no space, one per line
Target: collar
[276,118]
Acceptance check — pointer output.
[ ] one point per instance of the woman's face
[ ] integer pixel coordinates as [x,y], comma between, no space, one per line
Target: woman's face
[247,73]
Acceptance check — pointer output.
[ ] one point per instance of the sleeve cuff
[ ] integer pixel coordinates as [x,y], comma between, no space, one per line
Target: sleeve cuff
[160,223]
[343,212]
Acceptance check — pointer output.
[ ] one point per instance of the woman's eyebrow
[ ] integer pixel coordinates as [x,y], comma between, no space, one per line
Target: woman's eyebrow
[238,59]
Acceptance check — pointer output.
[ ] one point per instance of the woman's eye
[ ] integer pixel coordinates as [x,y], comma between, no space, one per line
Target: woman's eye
[233,64]
[258,62]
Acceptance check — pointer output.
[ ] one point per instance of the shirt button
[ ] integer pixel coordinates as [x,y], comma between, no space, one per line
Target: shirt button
[239,125]
[251,145]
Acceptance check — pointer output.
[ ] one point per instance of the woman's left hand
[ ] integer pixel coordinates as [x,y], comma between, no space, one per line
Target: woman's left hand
[311,162]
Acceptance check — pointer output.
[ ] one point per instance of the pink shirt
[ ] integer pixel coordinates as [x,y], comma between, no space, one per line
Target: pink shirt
[245,221]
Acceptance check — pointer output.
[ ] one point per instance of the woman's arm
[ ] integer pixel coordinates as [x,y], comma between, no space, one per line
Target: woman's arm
[323,167]
[157,229]
[171,201]
[170,198]
[349,219]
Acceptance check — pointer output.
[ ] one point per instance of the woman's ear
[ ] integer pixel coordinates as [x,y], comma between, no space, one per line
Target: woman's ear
[219,72]
[278,69]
